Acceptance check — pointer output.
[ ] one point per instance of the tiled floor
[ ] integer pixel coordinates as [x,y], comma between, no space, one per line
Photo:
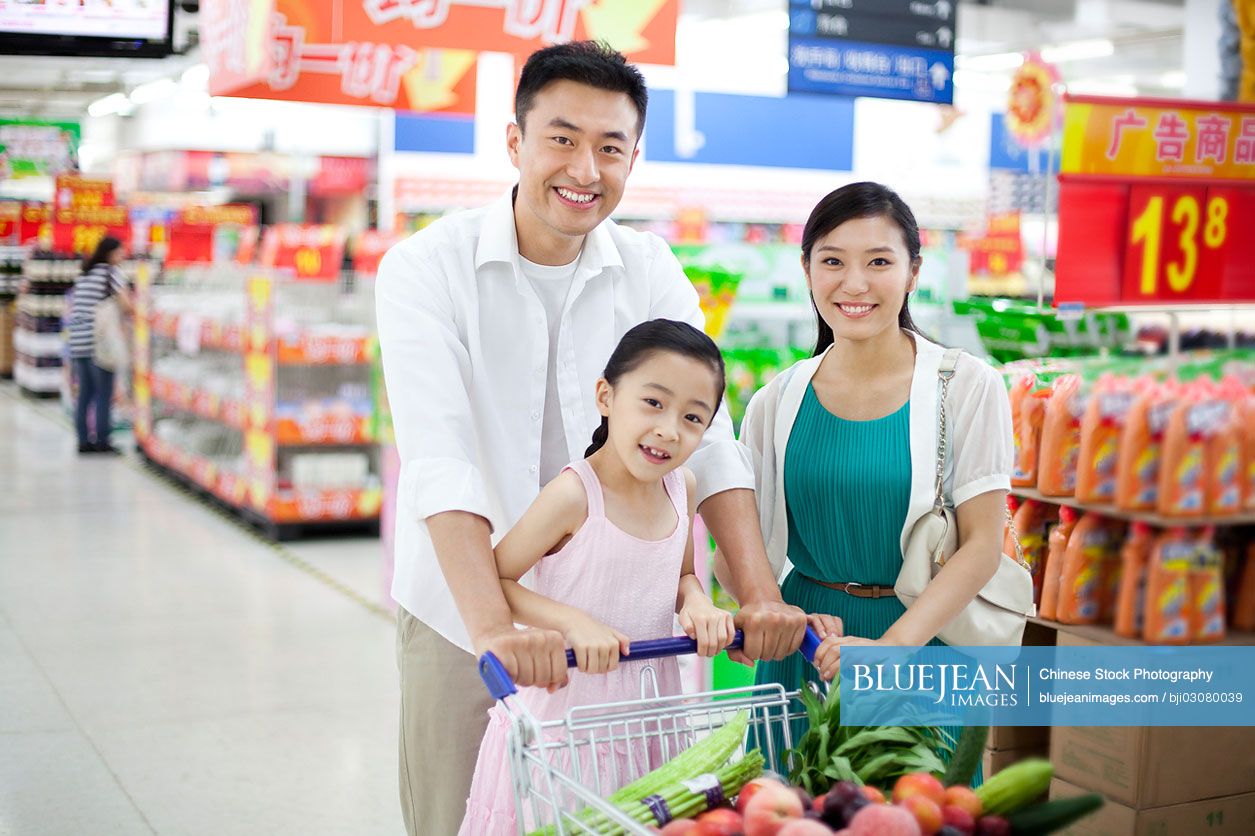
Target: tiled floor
[163,671]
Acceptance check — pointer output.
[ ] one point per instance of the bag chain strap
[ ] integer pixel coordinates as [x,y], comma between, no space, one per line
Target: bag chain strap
[942,443]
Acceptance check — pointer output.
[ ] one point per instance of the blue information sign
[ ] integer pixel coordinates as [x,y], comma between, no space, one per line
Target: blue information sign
[899,49]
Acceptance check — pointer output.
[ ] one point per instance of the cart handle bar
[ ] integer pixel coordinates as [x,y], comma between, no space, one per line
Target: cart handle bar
[500,685]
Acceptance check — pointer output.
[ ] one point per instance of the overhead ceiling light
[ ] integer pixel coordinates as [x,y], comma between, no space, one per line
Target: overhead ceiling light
[1078,51]
[109,105]
[994,62]
[1101,87]
[153,90]
[987,82]
[1174,80]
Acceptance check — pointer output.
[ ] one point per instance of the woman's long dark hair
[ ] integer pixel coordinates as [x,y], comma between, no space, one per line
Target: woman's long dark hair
[859,200]
[651,337]
[107,246]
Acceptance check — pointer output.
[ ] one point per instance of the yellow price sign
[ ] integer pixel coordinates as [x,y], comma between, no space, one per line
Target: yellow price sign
[308,261]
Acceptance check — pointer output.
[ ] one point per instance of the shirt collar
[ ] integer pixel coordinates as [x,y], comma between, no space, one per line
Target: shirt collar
[498,241]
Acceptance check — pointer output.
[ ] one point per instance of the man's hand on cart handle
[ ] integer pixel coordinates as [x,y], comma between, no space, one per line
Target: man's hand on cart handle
[531,657]
[773,630]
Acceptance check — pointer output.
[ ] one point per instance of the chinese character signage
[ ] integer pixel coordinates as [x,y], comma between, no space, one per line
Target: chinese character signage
[415,55]
[208,233]
[311,252]
[1158,139]
[32,148]
[77,231]
[1154,199]
[891,49]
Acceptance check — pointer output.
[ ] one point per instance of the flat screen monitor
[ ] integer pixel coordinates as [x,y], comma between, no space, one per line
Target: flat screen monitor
[122,28]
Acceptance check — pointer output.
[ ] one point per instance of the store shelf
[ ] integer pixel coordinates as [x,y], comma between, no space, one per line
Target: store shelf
[340,431]
[203,404]
[195,333]
[1103,634]
[1157,520]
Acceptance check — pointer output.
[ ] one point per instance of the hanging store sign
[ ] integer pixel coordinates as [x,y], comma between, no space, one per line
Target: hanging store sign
[201,234]
[891,49]
[74,192]
[310,252]
[1032,106]
[34,148]
[77,231]
[1154,200]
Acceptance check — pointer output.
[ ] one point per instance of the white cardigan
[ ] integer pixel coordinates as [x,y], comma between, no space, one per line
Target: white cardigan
[978,414]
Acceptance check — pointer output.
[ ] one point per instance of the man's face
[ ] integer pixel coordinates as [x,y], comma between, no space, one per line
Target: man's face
[573,152]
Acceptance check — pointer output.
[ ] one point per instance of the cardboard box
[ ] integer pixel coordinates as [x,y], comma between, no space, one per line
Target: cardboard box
[1151,767]
[1017,737]
[1232,815]
[997,760]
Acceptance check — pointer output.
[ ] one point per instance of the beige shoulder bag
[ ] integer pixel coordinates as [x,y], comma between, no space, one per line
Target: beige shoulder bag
[996,616]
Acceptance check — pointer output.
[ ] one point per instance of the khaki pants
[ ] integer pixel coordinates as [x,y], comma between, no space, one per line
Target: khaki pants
[444,713]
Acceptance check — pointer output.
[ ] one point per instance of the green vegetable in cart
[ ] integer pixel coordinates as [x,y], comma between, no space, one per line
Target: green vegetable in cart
[1015,787]
[967,755]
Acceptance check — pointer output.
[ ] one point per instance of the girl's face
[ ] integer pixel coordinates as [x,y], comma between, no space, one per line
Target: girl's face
[658,412]
[116,257]
[859,275]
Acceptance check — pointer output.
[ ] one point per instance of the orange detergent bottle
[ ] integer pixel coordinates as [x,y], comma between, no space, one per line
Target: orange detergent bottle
[1141,448]
[1207,617]
[1026,429]
[1061,438]
[1032,523]
[1085,577]
[1131,597]
[1168,601]
[1223,458]
[1246,430]
[1052,573]
[1182,478]
[1244,602]
[1101,428]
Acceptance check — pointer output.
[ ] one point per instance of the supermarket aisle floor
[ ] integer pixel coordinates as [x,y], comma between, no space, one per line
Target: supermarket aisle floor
[161,671]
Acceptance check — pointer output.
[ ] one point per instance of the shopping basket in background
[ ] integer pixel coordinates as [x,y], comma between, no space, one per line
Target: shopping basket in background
[592,771]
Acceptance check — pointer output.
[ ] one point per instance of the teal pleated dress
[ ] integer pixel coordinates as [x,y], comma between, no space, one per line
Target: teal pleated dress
[847,488]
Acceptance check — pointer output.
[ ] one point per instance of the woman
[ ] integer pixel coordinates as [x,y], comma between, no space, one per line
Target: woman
[101,278]
[845,443]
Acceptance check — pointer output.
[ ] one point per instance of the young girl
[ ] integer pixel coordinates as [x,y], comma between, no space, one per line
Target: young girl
[611,542]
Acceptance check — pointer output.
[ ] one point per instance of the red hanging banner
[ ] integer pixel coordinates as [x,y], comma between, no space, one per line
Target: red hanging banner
[311,253]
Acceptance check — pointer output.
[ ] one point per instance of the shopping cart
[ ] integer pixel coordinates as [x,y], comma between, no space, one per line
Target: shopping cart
[562,769]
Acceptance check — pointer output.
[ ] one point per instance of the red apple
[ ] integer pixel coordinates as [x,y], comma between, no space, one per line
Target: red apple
[770,808]
[721,822]
[958,818]
[749,790]
[966,798]
[679,827]
[919,783]
[805,827]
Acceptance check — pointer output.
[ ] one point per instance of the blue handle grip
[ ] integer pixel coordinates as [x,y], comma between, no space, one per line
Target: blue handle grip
[500,685]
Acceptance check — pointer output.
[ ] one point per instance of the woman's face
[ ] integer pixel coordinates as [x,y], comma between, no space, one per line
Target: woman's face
[116,257]
[859,275]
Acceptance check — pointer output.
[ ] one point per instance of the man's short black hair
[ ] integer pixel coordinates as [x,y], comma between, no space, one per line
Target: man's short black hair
[587,62]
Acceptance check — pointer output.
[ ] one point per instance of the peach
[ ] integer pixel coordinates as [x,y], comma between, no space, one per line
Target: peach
[919,783]
[925,811]
[958,818]
[805,827]
[723,821]
[679,827]
[884,820]
[966,798]
[770,808]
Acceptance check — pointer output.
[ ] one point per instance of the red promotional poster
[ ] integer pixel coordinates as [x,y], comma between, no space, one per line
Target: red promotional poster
[415,55]
[78,231]
[200,234]
[75,192]
[310,252]
[36,225]
[1152,195]
[10,221]
[369,248]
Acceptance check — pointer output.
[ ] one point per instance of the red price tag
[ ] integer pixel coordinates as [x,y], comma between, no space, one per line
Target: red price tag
[1169,228]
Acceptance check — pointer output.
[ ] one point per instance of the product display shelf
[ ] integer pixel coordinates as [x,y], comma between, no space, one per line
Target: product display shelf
[37,341]
[11,259]
[1156,520]
[1103,634]
[251,395]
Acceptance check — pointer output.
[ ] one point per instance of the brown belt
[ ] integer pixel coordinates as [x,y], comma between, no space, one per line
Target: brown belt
[858,590]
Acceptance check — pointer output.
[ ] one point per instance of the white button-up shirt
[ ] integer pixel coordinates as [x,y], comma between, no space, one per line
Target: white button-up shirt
[465,346]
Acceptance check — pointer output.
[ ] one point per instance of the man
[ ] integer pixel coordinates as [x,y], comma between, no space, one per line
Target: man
[494,326]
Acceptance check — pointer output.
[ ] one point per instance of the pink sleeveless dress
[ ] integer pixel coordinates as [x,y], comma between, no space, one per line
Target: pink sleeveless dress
[624,582]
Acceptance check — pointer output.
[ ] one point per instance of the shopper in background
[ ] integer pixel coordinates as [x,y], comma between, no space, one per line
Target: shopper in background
[101,279]
[845,442]
[494,326]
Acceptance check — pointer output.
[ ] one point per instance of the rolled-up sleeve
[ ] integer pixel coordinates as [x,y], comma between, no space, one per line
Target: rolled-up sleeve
[720,462]
[427,372]
[983,452]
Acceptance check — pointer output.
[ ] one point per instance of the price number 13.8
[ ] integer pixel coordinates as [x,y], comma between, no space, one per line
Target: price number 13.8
[1189,227]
